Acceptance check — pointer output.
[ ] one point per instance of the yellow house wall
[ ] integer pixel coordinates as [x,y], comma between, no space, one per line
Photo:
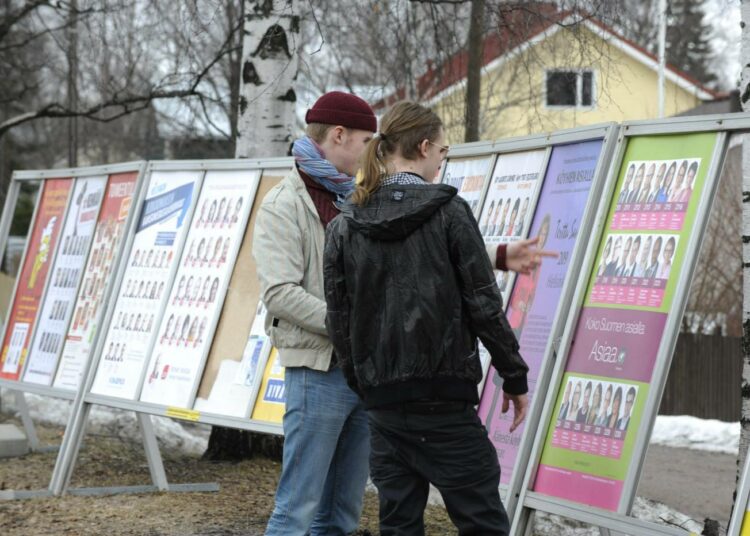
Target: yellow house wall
[513,101]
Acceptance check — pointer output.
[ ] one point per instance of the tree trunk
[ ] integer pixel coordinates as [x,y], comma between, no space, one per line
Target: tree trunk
[264,129]
[269,68]
[73,84]
[474,70]
[745,101]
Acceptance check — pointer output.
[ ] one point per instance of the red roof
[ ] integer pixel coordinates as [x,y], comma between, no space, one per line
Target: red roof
[519,24]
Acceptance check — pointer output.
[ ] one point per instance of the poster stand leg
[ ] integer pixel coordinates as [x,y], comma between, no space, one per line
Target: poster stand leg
[28,425]
[155,465]
[153,457]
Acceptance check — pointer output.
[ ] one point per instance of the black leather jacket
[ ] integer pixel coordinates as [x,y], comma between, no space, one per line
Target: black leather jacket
[409,288]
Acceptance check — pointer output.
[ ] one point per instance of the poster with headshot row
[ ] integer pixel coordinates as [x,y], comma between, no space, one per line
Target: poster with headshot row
[89,306]
[508,206]
[611,361]
[467,175]
[535,299]
[506,214]
[225,384]
[66,274]
[197,295]
[31,282]
[143,291]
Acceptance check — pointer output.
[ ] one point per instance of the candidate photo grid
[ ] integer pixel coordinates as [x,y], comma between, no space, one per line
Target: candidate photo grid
[658,185]
[594,416]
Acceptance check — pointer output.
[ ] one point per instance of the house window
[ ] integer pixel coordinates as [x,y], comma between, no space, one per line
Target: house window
[570,88]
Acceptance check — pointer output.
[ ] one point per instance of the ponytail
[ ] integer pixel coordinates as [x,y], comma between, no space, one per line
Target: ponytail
[402,129]
[373,168]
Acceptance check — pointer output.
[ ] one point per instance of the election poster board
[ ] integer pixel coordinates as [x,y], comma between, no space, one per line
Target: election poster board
[222,390]
[188,322]
[66,274]
[270,404]
[144,287]
[535,299]
[468,176]
[89,306]
[31,282]
[589,444]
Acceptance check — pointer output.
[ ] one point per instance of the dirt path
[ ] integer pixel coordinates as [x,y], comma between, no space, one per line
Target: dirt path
[699,484]
[241,506]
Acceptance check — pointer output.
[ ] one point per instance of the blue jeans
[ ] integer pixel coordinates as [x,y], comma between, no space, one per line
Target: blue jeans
[326,452]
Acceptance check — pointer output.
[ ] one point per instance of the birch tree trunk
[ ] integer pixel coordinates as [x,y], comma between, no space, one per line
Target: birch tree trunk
[745,102]
[270,62]
[265,122]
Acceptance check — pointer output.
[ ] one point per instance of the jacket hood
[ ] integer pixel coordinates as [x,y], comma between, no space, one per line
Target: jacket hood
[394,212]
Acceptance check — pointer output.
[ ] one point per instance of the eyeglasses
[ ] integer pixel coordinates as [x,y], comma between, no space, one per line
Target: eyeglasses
[443,148]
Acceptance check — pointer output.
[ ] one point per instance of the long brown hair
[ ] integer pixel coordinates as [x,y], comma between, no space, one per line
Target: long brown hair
[402,129]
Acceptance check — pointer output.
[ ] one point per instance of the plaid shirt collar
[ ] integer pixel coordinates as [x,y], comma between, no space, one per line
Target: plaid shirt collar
[403,178]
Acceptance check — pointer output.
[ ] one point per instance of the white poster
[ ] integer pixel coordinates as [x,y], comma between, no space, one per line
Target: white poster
[143,290]
[88,309]
[506,214]
[63,283]
[238,382]
[507,209]
[467,176]
[197,295]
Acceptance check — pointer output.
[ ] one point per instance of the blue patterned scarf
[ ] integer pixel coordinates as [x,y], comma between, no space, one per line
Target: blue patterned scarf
[309,157]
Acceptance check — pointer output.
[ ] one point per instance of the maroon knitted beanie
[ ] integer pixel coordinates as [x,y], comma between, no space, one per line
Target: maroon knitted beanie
[345,109]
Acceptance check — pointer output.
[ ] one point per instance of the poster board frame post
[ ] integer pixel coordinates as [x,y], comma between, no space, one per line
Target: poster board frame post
[530,501]
[11,200]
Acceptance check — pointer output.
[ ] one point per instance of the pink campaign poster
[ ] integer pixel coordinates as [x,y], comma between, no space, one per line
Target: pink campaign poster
[535,298]
[590,438]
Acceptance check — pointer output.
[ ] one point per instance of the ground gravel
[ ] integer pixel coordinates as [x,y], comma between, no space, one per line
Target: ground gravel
[241,506]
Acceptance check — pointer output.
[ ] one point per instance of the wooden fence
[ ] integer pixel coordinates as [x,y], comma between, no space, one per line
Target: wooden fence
[705,378]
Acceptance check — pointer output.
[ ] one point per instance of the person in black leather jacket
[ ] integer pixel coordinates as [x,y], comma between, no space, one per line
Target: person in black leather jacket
[409,289]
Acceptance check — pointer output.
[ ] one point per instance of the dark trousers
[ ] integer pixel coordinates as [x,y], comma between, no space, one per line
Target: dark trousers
[447,447]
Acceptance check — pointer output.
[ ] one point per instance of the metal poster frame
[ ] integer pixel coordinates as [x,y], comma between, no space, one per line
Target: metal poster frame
[85,399]
[20,388]
[78,281]
[529,500]
[607,133]
[219,166]
[74,173]
[53,256]
[609,136]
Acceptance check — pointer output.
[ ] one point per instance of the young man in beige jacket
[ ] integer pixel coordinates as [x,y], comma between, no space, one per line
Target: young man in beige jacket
[326,438]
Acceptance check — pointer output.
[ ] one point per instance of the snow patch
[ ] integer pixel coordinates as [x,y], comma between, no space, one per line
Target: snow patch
[172,434]
[683,431]
[643,509]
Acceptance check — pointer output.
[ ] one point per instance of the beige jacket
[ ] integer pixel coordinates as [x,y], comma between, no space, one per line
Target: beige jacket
[288,245]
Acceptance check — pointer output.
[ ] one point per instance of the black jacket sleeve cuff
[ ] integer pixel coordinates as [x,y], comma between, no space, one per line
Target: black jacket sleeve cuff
[516,386]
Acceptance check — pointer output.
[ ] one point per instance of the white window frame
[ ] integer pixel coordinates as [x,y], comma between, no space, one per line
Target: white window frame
[579,89]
